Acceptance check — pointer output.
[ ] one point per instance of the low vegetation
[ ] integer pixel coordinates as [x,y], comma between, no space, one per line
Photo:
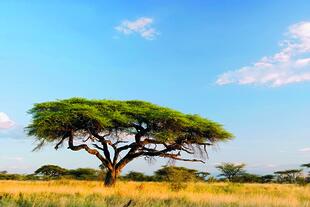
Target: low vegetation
[177,176]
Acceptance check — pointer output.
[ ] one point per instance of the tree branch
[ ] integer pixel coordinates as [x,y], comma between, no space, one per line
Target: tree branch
[89,150]
[104,142]
[97,147]
[175,157]
[187,150]
[59,143]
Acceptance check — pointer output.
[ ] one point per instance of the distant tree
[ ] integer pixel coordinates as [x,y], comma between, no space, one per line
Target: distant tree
[12,177]
[247,178]
[288,176]
[267,178]
[211,179]
[231,170]
[137,176]
[173,173]
[202,175]
[51,171]
[4,172]
[176,176]
[307,165]
[131,129]
[84,174]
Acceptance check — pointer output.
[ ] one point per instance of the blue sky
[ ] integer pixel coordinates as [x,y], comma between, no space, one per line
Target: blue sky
[243,64]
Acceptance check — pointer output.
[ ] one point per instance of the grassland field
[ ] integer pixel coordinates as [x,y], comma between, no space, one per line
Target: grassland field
[67,193]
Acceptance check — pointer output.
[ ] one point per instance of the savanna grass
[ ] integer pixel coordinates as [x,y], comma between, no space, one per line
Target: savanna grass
[66,193]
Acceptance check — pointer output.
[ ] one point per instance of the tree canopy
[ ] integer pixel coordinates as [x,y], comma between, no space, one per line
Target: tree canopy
[231,170]
[307,165]
[289,176]
[131,128]
[51,171]
[181,174]
[137,176]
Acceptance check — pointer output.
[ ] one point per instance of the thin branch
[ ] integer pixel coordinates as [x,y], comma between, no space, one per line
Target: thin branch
[60,143]
[39,146]
[175,157]
[104,144]
[118,142]
[89,137]
[96,146]
[187,151]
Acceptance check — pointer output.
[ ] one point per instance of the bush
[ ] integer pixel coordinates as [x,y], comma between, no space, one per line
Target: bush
[170,173]
[85,174]
[137,176]
[176,176]
[267,178]
[247,178]
[12,177]
[51,171]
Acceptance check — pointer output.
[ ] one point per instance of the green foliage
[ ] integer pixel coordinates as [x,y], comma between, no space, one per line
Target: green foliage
[84,174]
[231,170]
[173,173]
[202,175]
[54,120]
[168,174]
[306,165]
[267,178]
[137,176]
[288,176]
[177,176]
[247,178]
[7,176]
[51,171]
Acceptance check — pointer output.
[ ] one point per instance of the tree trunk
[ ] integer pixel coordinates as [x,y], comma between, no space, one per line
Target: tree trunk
[110,178]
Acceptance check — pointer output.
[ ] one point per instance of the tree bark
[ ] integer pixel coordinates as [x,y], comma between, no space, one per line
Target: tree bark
[110,178]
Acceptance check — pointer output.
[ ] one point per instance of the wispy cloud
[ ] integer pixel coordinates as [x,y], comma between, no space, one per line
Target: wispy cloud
[290,65]
[141,26]
[11,158]
[5,121]
[307,149]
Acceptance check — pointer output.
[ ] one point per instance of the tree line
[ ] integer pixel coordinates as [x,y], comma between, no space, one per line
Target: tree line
[236,173]
[53,172]
[229,172]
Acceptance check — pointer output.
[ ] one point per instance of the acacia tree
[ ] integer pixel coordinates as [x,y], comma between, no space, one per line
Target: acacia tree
[179,174]
[51,171]
[231,170]
[307,165]
[289,176]
[117,132]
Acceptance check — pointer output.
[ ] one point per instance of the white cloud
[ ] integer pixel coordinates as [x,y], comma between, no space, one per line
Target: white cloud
[5,121]
[290,65]
[307,149]
[141,26]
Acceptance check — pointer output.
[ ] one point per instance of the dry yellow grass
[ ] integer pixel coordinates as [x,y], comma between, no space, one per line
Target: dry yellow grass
[86,193]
